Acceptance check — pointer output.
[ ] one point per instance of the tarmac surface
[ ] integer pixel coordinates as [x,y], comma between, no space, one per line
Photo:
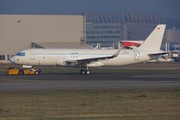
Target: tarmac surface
[134,79]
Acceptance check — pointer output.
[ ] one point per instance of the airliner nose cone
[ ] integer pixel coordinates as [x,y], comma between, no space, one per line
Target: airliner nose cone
[12,59]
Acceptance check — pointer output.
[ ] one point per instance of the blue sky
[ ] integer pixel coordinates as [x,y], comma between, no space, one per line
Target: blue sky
[169,8]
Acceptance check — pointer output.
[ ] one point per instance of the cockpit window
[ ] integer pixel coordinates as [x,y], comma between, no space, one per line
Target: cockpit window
[20,54]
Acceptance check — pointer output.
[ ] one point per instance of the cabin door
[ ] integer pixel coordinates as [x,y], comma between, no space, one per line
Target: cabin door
[136,55]
[32,54]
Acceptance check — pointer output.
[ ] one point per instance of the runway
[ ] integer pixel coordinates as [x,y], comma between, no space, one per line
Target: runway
[119,80]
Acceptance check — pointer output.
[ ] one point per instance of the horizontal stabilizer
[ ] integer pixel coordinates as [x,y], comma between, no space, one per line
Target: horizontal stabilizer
[156,55]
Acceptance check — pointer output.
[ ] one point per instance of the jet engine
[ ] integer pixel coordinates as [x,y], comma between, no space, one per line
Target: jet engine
[63,62]
[95,64]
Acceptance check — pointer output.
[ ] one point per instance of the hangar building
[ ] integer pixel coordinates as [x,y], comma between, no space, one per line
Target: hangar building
[110,29]
[19,32]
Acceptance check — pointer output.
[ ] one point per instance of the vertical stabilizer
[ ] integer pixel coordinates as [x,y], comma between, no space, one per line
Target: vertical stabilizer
[154,40]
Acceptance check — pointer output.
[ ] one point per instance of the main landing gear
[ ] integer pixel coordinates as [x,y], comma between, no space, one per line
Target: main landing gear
[85,71]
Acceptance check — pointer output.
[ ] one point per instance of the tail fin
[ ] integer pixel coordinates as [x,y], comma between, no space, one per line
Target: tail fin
[154,40]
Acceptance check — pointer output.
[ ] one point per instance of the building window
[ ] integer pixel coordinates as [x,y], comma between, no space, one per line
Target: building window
[8,57]
[2,57]
[110,37]
[107,27]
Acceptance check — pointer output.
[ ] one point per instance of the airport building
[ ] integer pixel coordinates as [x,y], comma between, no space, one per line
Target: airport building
[19,32]
[172,45]
[103,29]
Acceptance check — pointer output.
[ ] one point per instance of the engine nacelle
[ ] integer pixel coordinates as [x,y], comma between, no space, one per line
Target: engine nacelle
[95,64]
[63,62]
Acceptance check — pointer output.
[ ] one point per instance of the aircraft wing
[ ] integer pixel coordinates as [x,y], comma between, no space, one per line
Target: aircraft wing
[88,60]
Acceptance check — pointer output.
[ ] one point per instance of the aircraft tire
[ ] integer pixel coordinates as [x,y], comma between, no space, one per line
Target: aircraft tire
[83,72]
[21,72]
[88,72]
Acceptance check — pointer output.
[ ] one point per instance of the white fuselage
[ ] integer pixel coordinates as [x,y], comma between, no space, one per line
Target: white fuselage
[59,56]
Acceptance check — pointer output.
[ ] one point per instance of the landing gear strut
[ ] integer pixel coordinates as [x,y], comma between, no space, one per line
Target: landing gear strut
[85,71]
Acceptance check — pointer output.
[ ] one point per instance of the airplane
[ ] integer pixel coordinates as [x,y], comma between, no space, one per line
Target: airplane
[85,58]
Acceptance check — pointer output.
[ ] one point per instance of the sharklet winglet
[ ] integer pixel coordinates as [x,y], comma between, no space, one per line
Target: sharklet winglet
[117,53]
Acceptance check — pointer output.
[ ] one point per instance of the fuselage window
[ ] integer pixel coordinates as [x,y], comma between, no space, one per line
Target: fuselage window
[20,54]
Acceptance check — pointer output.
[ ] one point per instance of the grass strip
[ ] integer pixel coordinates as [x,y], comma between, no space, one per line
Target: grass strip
[136,104]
